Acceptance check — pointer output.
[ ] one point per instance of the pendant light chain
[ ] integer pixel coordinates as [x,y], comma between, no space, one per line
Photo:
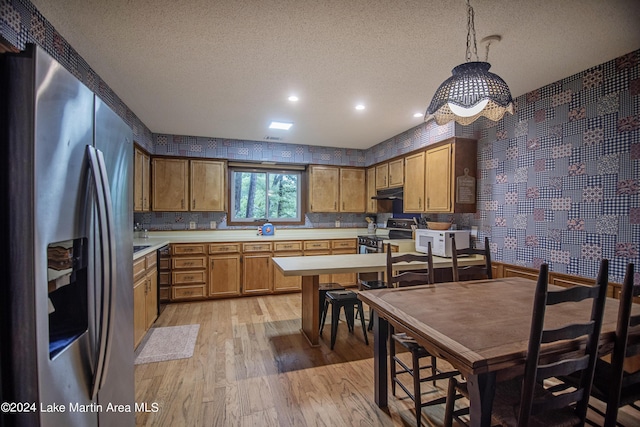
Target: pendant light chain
[471,31]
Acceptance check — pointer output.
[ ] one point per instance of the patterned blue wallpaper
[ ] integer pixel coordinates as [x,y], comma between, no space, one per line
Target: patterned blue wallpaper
[560,180]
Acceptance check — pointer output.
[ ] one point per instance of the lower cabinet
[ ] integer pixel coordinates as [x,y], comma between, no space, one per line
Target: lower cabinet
[257,269]
[188,271]
[221,270]
[282,283]
[318,247]
[145,295]
[224,269]
[341,247]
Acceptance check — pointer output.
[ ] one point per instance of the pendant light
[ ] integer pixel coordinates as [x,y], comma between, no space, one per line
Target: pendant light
[472,91]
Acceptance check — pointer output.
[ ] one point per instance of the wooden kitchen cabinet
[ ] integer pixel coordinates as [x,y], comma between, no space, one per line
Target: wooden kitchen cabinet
[372,204]
[145,295]
[318,247]
[414,194]
[390,174]
[224,269]
[334,189]
[207,185]
[257,269]
[340,247]
[324,190]
[352,190]
[450,177]
[141,181]
[188,271]
[170,184]
[282,283]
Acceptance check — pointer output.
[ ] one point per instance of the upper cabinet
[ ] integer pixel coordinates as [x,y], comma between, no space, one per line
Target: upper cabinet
[450,177]
[208,189]
[335,189]
[141,181]
[414,197]
[174,191]
[170,184]
[372,204]
[390,174]
[352,190]
[324,188]
[442,179]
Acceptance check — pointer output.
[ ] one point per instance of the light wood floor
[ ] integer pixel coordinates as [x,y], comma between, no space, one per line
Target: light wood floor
[252,367]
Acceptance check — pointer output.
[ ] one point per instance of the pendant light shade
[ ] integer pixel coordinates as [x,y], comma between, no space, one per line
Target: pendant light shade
[471,92]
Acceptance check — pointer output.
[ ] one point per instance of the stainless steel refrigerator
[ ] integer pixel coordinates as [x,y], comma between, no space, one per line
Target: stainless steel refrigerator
[66,294]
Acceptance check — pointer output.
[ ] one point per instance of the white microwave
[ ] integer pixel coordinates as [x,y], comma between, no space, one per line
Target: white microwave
[440,241]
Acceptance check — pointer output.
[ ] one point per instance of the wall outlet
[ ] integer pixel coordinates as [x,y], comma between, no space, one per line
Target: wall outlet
[474,231]
[337,223]
[213,225]
[192,225]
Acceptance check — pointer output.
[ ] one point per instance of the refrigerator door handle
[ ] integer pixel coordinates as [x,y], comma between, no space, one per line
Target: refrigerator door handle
[107,288]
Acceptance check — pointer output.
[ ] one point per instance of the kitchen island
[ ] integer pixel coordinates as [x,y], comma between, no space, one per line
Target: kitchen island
[310,268]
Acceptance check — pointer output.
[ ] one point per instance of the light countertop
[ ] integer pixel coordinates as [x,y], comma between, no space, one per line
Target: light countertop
[355,263]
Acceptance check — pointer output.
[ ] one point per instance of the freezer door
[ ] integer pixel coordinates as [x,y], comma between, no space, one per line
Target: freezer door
[115,140]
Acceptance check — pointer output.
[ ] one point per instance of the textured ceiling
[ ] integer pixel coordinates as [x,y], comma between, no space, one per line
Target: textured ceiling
[225,68]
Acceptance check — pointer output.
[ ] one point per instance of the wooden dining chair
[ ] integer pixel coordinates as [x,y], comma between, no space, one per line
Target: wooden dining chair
[612,384]
[525,401]
[398,367]
[470,272]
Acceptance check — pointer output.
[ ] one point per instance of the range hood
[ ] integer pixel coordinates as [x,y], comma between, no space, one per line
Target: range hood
[389,194]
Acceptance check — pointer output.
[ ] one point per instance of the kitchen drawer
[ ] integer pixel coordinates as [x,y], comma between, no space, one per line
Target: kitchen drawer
[188,277]
[164,264]
[139,267]
[164,294]
[256,247]
[344,244]
[224,248]
[188,262]
[287,246]
[165,278]
[188,292]
[151,260]
[188,249]
[313,245]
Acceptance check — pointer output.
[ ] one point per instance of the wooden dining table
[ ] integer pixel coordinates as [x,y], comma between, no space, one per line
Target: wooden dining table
[480,327]
[311,267]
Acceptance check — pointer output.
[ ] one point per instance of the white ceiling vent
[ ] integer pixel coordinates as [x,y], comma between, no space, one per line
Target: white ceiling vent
[273,138]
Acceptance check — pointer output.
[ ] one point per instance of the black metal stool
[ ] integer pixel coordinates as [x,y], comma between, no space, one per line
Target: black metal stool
[323,288]
[349,300]
[366,285]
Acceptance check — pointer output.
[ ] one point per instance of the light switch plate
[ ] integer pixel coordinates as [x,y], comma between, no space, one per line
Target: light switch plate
[474,231]
[192,225]
[213,225]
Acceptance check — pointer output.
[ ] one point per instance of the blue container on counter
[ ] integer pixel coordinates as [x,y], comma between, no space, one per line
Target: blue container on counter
[268,229]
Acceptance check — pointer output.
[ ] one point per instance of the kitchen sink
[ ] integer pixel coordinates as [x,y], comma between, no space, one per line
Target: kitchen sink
[137,248]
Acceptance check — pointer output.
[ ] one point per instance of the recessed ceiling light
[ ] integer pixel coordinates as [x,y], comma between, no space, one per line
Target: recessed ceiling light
[418,115]
[293,98]
[360,107]
[280,125]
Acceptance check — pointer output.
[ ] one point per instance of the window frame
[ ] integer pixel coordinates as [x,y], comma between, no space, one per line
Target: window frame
[280,169]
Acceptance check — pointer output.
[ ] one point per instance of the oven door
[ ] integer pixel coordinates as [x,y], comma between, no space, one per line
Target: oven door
[364,249]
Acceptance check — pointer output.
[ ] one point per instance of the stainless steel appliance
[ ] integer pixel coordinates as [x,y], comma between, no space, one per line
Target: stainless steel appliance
[441,241]
[397,229]
[66,277]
